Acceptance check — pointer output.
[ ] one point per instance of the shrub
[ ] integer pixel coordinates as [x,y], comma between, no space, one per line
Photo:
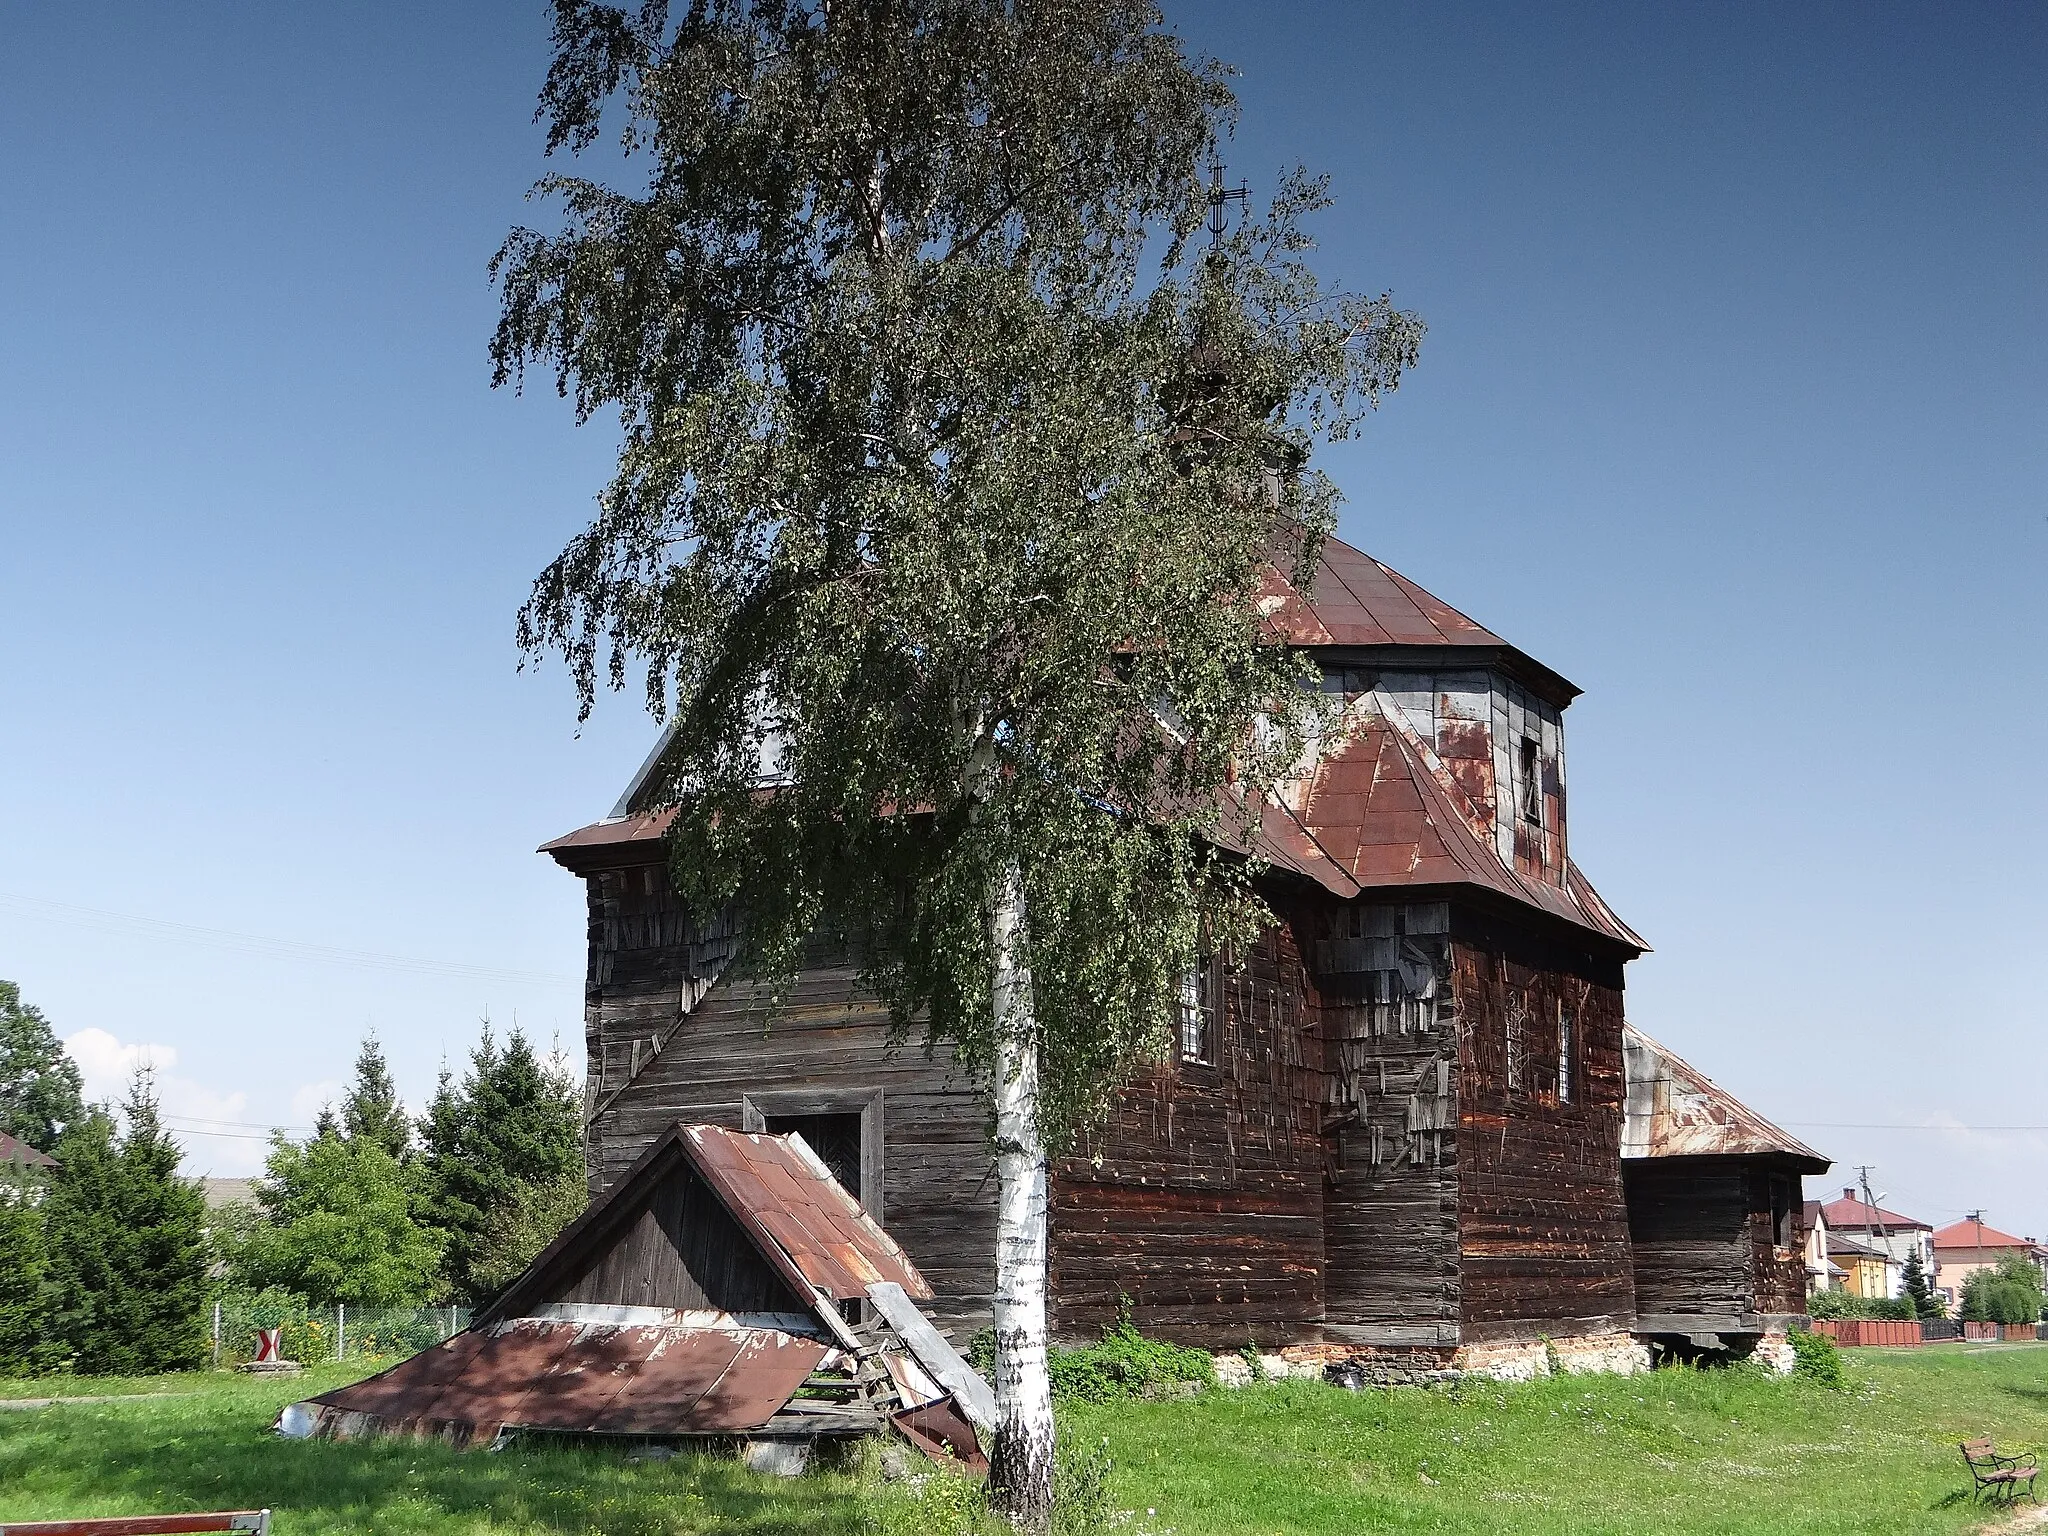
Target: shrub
[1818,1361]
[1832,1304]
[1122,1364]
[2010,1293]
[1126,1364]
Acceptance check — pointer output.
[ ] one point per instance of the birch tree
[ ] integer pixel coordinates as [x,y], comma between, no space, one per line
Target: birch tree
[953,455]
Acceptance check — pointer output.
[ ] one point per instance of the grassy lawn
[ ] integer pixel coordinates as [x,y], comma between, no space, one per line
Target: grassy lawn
[1675,1452]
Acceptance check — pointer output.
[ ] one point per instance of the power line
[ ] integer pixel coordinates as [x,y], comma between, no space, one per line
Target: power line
[1846,1125]
[261,944]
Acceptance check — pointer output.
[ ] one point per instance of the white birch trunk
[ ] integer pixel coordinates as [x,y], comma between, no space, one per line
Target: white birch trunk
[1021,1468]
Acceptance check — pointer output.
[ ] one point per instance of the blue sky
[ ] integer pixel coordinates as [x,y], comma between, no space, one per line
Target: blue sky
[1731,410]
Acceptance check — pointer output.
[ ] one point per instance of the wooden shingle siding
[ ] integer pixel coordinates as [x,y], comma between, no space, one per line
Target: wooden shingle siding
[1543,1231]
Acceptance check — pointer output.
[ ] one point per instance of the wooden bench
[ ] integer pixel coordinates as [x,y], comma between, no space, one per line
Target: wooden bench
[257,1520]
[1999,1476]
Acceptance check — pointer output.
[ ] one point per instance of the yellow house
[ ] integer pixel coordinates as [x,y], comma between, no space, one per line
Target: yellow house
[1868,1271]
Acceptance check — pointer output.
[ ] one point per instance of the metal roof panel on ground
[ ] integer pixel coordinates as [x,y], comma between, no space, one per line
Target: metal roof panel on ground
[593,1378]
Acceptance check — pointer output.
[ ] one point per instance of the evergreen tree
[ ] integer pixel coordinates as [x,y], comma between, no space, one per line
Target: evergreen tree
[40,1089]
[371,1108]
[126,1245]
[953,463]
[513,1123]
[27,1347]
[339,1227]
[1914,1287]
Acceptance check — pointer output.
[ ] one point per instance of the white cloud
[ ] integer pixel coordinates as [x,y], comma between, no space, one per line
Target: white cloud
[107,1064]
[208,1122]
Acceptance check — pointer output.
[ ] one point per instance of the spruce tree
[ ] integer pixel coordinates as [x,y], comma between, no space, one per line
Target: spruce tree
[126,1245]
[371,1109]
[40,1089]
[511,1126]
[27,1347]
[1914,1287]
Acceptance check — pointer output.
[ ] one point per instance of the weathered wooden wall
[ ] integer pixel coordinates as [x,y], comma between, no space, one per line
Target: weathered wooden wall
[1200,1198]
[826,1047]
[1543,1228]
[1693,1231]
[1390,1033]
[1780,1270]
[683,1250]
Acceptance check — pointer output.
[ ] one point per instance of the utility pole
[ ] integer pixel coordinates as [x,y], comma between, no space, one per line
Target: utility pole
[1870,1221]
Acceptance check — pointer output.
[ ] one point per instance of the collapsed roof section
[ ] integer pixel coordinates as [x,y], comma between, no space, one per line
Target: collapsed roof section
[1675,1110]
[728,1287]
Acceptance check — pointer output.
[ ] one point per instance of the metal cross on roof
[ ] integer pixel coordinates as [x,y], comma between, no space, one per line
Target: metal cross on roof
[1218,196]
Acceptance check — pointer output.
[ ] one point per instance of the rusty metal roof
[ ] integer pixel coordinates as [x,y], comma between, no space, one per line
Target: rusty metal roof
[590,1378]
[811,1231]
[1675,1110]
[780,1189]
[1358,601]
[1385,812]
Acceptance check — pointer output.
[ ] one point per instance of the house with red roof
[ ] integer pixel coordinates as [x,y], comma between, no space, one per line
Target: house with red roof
[1392,1131]
[1878,1236]
[1963,1247]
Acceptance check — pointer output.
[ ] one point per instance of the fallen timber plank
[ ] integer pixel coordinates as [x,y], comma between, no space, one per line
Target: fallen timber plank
[935,1354]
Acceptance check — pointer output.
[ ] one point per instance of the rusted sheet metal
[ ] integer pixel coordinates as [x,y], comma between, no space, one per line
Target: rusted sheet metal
[1356,601]
[1675,1110]
[778,1185]
[939,1430]
[583,1378]
[1384,809]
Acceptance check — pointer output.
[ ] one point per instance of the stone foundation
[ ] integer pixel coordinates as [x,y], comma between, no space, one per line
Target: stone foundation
[1420,1366]
[1774,1349]
[1612,1353]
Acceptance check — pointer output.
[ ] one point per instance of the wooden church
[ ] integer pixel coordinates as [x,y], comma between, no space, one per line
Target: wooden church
[1393,1132]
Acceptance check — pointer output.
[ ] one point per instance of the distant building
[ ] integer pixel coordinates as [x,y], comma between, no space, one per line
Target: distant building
[1876,1230]
[17,1155]
[1867,1268]
[223,1192]
[1964,1247]
[1822,1272]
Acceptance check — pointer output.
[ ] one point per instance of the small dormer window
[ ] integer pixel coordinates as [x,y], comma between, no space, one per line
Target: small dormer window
[1532,783]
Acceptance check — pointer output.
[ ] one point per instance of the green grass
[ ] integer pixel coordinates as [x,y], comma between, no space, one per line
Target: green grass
[215,1451]
[1678,1452]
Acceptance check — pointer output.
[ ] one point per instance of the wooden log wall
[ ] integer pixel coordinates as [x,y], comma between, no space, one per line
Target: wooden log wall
[1390,1029]
[1543,1229]
[1200,1198]
[657,977]
[1693,1234]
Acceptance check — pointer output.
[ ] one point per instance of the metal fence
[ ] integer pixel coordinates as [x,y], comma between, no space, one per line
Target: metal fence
[310,1335]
